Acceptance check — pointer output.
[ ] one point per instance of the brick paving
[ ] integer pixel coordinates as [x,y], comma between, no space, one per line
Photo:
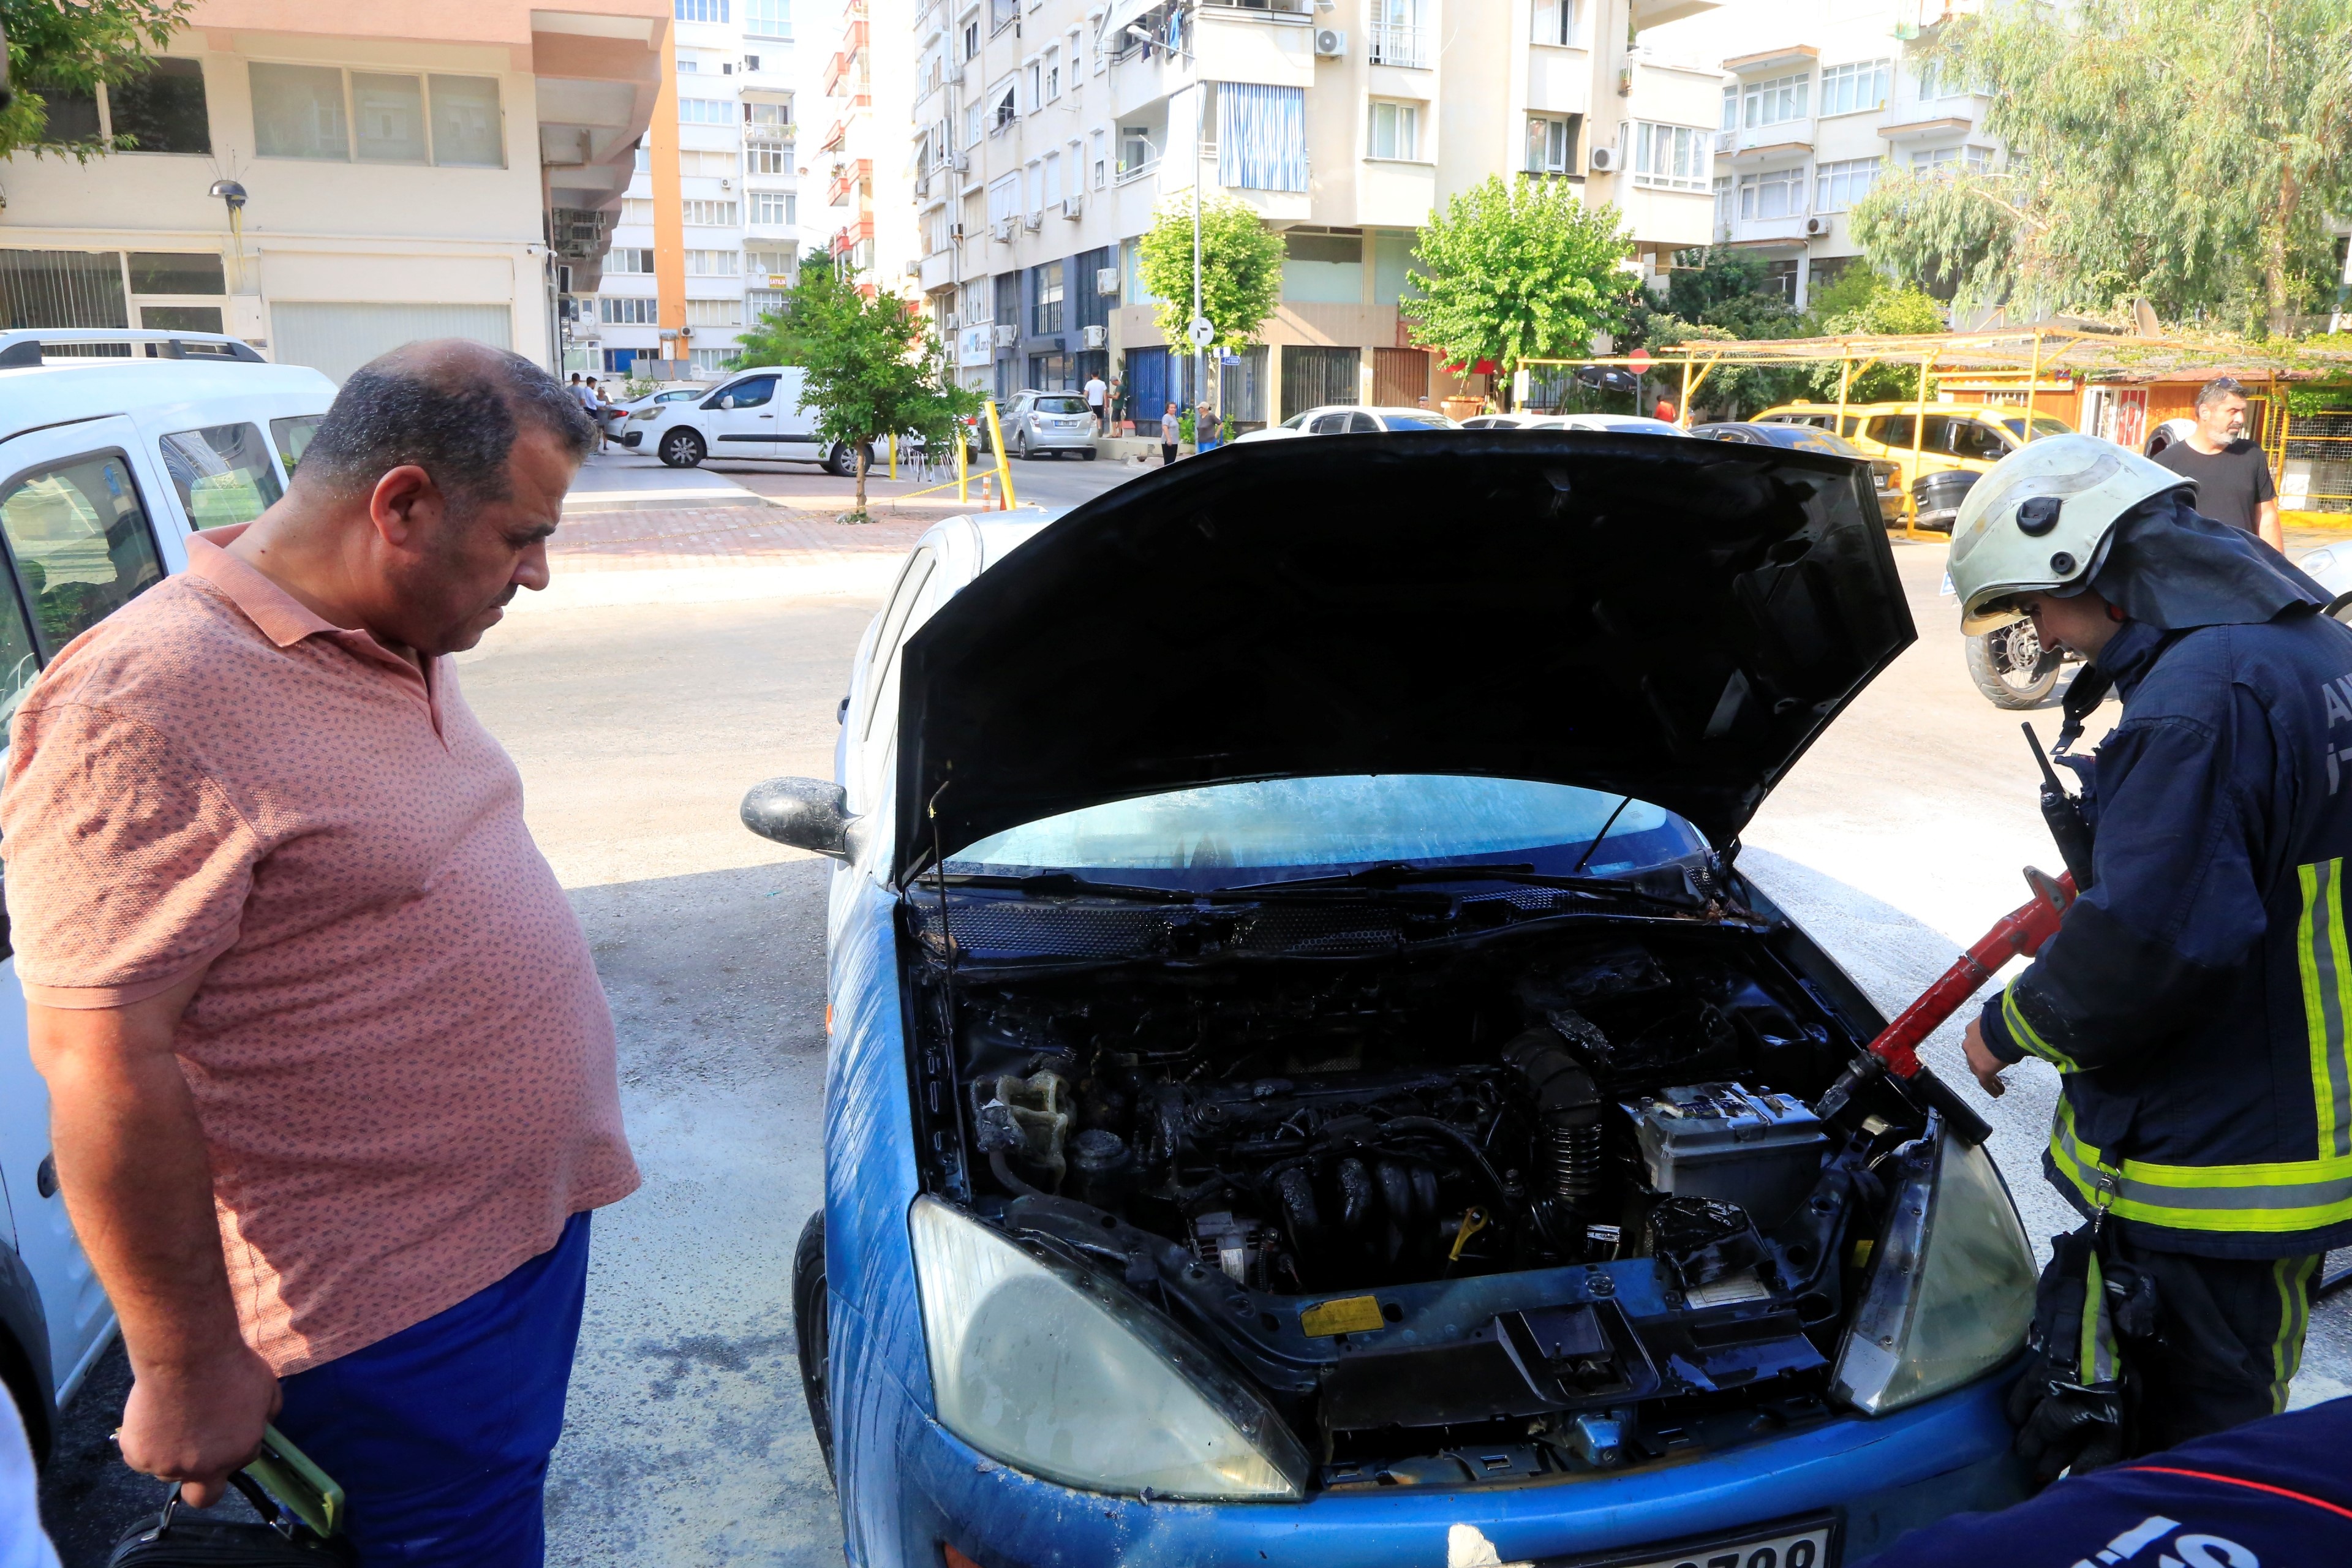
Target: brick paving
[652,539]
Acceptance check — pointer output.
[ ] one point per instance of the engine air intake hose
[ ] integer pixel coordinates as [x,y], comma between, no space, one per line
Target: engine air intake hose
[1568,1108]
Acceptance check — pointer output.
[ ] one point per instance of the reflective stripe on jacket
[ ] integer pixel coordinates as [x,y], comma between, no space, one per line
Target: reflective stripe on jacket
[2197,1000]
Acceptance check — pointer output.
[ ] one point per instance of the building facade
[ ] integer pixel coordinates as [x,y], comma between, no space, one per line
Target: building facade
[1819,97]
[1047,134]
[709,232]
[491,140]
[863,89]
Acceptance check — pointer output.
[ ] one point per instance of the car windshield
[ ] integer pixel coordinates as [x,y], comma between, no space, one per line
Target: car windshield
[1418,422]
[1222,835]
[2042,426]
[1060,406]
[1296,420]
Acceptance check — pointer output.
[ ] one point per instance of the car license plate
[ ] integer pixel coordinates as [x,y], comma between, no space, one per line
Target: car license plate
[1786,1545]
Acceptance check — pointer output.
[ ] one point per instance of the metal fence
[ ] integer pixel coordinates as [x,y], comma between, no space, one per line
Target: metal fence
[2312,455]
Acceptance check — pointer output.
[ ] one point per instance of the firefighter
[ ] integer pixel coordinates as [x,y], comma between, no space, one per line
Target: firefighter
[2197,1000]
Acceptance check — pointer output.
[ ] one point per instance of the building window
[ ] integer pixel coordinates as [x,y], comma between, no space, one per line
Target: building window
[1396,131]
[761,303]
[322,113]
[772,209]
[705,112]
[1672,157]
[1095,156]
[1775,193]
[714,313]
[767,19]
[1855,87]
[935,230]
[1036,84]
[1777,101]
[971,40]
[775,265]
[1035,185]
[1560,22]
[629,260]
[1977,160]
[1551,145]
[645,159]
[1397,36]
[1136,152]
[700,10]
[1053,180]
[1053,75]
[1838,186]
[768,161]
[1934,160]
[1731,109]
[710,263]
[710,364]
[1723,199]
[628,311]
[712,165]
[710,215]
[163,110]
[1780,277]
[778,114]
[1045,316]
[637,212]
[1003,198]
[1002,105]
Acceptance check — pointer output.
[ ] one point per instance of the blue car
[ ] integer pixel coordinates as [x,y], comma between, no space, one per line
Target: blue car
[1310,1083]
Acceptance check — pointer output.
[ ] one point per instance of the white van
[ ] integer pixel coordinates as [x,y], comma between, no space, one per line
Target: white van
[107,464]
[753,414]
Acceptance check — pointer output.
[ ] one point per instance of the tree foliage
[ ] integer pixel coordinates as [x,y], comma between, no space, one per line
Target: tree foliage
[1515,271]
[1860,302]
[1241,269]
[872,364]
[1728,296]
[69,46]
[2170,150]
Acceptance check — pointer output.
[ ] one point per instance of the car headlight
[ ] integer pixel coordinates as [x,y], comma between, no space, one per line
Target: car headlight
[1038,1363]
[1951,1284]
[2318,561]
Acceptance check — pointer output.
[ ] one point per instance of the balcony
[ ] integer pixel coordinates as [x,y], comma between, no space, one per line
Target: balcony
[845,177]
[849,66]
[755,135]
[1399,44]
[1754,144]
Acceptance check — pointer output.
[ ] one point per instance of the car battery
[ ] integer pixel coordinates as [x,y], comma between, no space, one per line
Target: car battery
[1726,1142]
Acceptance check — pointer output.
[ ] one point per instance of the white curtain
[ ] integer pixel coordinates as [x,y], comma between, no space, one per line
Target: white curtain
[1261,137]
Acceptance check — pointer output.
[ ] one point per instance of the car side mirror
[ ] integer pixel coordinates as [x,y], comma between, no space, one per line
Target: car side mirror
[726,402]
[806,814]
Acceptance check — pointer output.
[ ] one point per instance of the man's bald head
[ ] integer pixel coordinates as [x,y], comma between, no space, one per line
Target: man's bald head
[450,406]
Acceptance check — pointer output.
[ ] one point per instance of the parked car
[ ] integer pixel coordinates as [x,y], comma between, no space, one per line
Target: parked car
[1349,420]
[754,414]
[1959,442]
[106,466]
[1886,474]
[1621,424]
[1309,1081]
[1042,424]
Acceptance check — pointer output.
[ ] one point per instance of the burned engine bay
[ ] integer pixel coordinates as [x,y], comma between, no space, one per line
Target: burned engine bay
[1546,1201]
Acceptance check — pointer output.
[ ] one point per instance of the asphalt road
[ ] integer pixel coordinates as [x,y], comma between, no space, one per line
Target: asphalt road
[638,726]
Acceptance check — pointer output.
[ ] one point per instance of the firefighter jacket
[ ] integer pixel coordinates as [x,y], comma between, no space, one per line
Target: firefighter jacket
[2197,1001]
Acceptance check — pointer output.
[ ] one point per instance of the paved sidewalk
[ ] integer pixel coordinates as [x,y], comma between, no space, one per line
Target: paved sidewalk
[669,553]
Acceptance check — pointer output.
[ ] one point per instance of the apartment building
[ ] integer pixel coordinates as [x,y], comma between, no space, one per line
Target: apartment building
[1819,98]
[329,182]
[864,93]
[1047,133]
[709,233]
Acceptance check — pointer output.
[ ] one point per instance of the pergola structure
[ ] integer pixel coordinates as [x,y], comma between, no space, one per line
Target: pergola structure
[2021,357]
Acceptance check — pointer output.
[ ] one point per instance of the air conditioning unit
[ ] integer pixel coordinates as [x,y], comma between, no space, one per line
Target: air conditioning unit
[1331,43]
[1106,280]
[1007,334]
[1073,206]
[1033,222]
[1098,336]
[1004,230]
[955,234]
[1816,226]
[726,184]
[955,75]
[1602,159]
[960,162]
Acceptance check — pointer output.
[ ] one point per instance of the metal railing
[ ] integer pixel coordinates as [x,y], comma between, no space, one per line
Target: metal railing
[1400,44]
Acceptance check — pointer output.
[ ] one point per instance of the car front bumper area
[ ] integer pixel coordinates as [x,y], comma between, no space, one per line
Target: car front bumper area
[1875,1478]
[632,439]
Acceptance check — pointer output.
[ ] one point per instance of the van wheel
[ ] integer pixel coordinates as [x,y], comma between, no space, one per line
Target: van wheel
[682,449]
[812,1333]
[2011,668]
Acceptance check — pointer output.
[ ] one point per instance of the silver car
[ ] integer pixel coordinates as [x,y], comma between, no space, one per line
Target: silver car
[1040,423]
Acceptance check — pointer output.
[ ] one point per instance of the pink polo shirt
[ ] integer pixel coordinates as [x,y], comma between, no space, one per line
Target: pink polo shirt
[399,1053]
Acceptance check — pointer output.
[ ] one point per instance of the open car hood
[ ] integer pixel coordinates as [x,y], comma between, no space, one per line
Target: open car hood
[1672,620]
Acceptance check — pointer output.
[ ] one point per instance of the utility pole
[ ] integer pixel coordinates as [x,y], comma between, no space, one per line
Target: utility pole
[1200,385]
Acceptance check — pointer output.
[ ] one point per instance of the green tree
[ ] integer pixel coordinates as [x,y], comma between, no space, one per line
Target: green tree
[63,49]
[871,363]
[1863,304]
[1728,297]
[1511,272]
[2167,150]
[1241,269]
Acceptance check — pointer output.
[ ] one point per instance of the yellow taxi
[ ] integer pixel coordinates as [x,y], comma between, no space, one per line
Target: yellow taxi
[1957,442]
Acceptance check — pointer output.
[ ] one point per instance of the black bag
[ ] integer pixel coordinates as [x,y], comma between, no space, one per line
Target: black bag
[173,1539]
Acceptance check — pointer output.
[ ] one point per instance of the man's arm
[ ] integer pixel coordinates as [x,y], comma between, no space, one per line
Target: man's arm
[2268,523]
[138,1186]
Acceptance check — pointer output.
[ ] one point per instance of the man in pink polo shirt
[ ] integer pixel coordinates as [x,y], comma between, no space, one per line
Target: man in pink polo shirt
[333,1079]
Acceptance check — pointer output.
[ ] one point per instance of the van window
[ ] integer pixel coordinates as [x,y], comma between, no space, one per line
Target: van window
[293,437]
[81,543]
[18,662]
[1971,439]
[748,393]
[1891,430]
[222,473]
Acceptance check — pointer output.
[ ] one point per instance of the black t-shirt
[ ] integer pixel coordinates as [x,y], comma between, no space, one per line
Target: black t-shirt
[2231,483]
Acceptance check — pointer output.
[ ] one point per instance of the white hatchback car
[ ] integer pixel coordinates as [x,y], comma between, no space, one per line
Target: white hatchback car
[1614,424]
[753,414]
[1350,420]
[107,464]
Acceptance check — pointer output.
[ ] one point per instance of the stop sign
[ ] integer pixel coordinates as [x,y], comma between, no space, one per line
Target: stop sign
[1639,360]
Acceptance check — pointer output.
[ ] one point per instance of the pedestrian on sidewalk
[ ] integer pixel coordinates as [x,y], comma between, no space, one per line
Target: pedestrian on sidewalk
[1095,393]
[603,415]
[1171,435]
[1117,402]
[2233,477]
[331,1076]
[1208,430]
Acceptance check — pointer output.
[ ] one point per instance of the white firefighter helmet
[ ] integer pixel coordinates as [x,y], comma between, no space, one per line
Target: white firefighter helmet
[2040,522]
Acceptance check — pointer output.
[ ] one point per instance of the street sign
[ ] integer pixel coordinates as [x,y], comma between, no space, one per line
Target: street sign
[1201,332]
[1639,360]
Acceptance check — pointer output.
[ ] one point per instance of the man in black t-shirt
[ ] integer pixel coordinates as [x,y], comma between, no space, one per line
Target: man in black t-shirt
[2233,478]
